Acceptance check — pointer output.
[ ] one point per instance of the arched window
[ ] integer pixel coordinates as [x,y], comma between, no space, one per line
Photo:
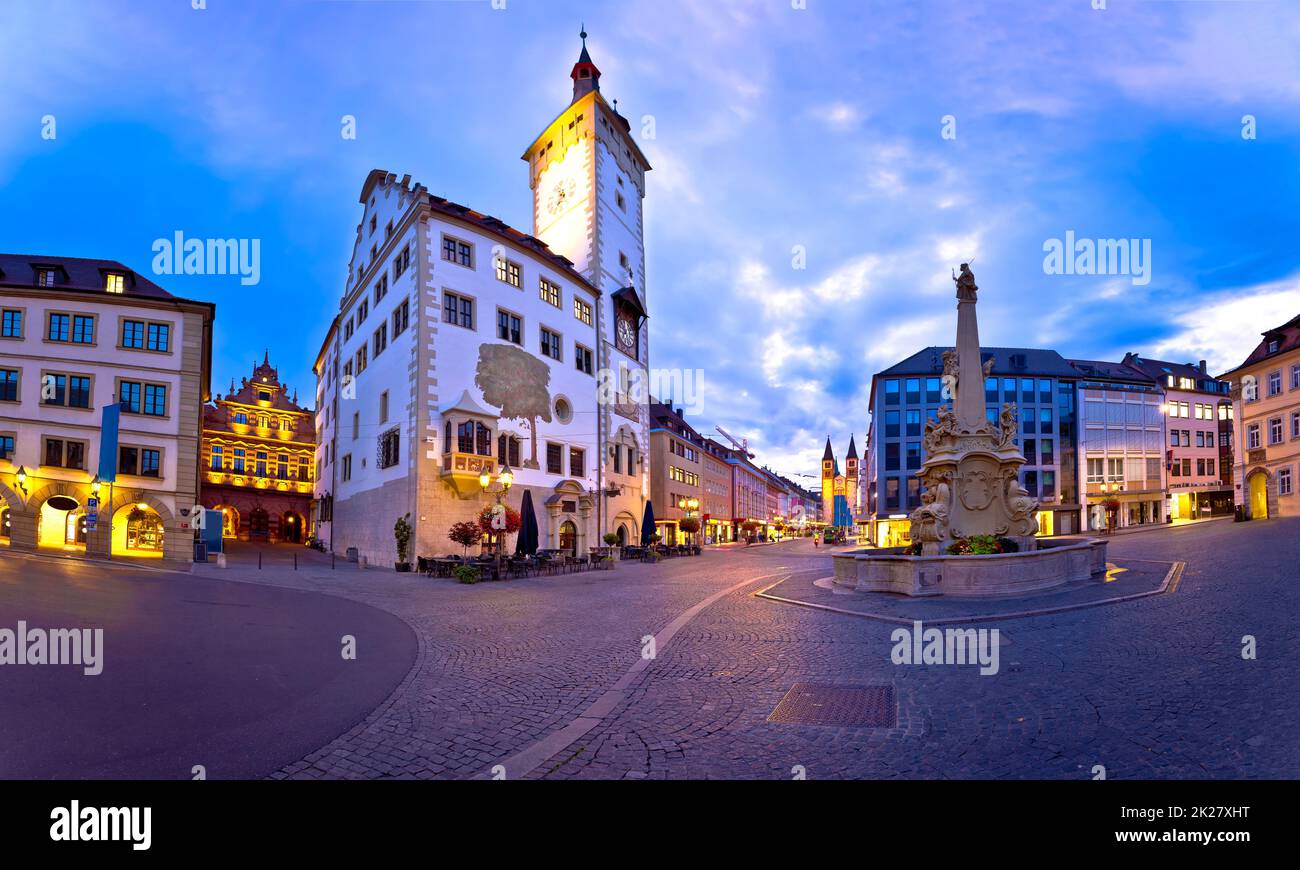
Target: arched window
[144,530]
[483,446]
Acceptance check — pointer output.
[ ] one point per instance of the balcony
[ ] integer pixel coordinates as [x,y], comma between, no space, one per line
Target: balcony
[461,471]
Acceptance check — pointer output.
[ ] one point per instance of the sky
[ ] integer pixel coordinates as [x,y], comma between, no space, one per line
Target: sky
[820,167]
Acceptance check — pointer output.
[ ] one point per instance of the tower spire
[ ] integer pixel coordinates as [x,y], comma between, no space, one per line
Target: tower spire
[585,75]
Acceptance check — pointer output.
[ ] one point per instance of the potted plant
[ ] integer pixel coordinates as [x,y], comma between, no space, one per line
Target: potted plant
[610,539]
[466,534]
[466,574]
[497,521]
[402,535]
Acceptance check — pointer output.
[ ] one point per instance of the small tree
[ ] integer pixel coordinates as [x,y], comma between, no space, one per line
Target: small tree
[402,535]
[610,539]
[689,525]
[466,534]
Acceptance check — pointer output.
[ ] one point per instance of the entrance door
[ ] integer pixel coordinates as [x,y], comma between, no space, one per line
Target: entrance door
[1259,496]
[569,538]
[291,528]
[259,525]
[622,536]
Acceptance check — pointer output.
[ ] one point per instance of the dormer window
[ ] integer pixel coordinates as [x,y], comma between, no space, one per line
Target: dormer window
[46,277]
[1273,346]
[115,282]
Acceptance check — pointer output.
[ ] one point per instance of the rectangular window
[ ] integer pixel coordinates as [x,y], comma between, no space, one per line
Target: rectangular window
[913,422]
[83,329]
[577,462]
[550,292]
[401,317]
[346,471]
[1284,481]
[60,327]
[128,396]
[155,400]
[456,251]
[891,424]
[6,446]
[401,263]
[361,359]
[551,344]
[11,324]
[458,310]
[64,454]
[133,334]
[159,337]
[356,425]
[582,310]
[363,310]
[1295,377]
[1295,424]
[582,359]
[1252,436]
[554,459]
[891,392]
[217,450]
[1048,446]
[913,455]
[381,339]
[913,390]
[390,447]
[1045,421]
[8,385]
[509,327]
[1275,430]
[891,493]
[1274,383]
[115,283]
[78,391]
[509,272]
[1048,489]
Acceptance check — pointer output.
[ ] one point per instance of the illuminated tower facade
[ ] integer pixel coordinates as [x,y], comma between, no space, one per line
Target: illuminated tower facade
[587,176]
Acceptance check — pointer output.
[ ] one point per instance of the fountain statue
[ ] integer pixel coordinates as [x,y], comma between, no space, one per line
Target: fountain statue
[972,465]
[971,486]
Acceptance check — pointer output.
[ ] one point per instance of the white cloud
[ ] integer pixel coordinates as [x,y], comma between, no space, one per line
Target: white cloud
[1224,331]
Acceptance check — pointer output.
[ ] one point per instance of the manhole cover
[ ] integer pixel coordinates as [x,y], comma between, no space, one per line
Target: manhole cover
[843,706]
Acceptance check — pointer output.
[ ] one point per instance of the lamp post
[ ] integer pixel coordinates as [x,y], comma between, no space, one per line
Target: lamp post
[21,479]
[497,485]
[688,505]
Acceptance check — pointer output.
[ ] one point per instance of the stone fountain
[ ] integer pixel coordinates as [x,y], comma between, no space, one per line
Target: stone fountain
[971,477]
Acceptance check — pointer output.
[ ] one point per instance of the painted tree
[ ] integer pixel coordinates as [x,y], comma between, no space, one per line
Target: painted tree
[518,383]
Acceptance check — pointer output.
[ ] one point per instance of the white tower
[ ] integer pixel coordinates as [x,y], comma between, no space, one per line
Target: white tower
[587,175]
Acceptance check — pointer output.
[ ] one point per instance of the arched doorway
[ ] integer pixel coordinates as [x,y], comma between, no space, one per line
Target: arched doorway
[5,532]
[61,523]
[1259,496]
[569,537]
[622,535]
[259,524]
[291,528]
[229,521]
[137,531]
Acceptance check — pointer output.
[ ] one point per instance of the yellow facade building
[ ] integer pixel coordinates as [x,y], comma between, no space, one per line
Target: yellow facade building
[1266,403]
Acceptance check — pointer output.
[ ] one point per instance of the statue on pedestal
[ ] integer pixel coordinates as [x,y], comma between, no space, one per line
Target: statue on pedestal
[966,284]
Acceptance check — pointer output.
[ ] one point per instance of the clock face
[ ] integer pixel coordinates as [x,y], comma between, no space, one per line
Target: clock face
[626,334]
[561,195]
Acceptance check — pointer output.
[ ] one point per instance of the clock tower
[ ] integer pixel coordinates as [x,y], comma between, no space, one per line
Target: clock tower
[587,174]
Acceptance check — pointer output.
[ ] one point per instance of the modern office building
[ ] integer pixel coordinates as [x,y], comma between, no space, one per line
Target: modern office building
[1266,402]
[76,336]
[1196,408]
[1121,445]
[1041,383]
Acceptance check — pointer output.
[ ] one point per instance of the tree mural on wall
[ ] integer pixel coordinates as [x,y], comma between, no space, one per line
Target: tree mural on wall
[518,383]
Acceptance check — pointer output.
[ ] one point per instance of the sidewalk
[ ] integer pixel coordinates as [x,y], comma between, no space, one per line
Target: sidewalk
[1151,527]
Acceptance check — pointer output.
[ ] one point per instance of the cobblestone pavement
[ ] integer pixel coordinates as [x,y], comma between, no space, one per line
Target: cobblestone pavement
[1152,688]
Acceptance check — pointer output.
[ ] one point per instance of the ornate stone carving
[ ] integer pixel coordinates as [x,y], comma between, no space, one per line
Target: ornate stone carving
[1008,422]
[951,369]
[1021,507]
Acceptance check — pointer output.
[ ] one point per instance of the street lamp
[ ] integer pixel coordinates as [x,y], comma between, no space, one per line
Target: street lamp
[689,505]
[503,479]
[21,479]
[95,485]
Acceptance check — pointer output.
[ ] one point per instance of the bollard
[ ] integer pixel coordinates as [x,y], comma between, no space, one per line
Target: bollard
[221,560]
[259,561]
[295,561]
[331,561]
[361,563]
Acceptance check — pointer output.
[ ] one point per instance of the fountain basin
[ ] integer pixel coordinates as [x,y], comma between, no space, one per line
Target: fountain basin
[1055,563]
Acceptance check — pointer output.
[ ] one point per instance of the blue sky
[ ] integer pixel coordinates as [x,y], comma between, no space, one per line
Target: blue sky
[775,127]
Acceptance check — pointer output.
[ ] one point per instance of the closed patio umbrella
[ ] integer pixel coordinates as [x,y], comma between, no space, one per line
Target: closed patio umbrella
[647,524]
[526,540]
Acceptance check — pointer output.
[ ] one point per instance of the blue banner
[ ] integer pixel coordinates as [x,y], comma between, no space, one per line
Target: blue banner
[108,442]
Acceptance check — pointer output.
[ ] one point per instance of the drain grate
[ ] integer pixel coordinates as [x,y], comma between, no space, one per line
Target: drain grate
[843,706]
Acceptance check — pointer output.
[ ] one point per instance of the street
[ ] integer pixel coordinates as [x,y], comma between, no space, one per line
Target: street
[546,676]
